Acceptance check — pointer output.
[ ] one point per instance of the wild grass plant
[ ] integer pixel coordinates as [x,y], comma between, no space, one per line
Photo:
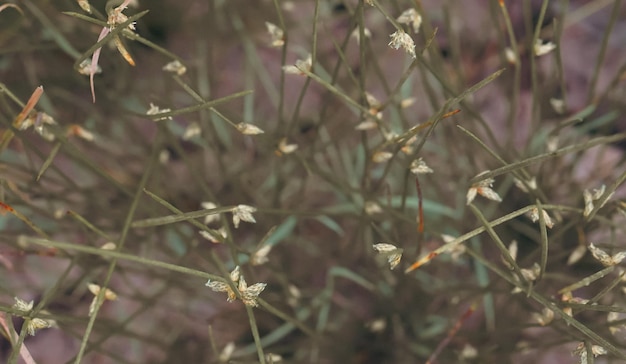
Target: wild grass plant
[312,181]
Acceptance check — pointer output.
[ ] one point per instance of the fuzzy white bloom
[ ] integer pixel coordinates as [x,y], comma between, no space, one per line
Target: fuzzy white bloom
[260,256]
[366,125]
[285,148]
[542,48]
[208,219]
[418,166]
[400,39]
[380,157]
[394,255]
[175,67]
[300,67]
[411,17]
[483,188]
[277,34]
[155,110]
[243,213]
[356,34]
[534,216]
[604,258]
[22,305]
[249,129]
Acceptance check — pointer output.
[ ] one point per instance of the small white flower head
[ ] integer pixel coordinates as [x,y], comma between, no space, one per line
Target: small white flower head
[407,102]
[84,4]
[84,68]
[37,324]
[219,286]
[366,125]
[273,358]
[394,255]
[248,129]
[208,219]
[300,67]
[217,237]
[510,55]
[22,305]
[534,217]
[577,254]
[227,352]
[604,258]
[545,317]
[164,156]
[116,17]
[175,67]
[377,325]
[581,352]
[372,208]
[484,189]
[407,148]
[558,105]
[531,274]
[382,156]
[284,148]
[109,245]
[243,213]
[277,34]
[80,132]
[552,143]
[532,183]
[542,48]
[400,39]
[589,197]
[611,318]
[260,256]
[192,130]
[418,166]
[155,110]
[109,295]
[411,17]
[373,103]
[356,34]
[250,295]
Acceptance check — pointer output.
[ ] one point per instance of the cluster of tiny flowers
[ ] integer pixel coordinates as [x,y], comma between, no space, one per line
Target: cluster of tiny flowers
[243,213]
[155,110]
[534,217]
[175,67]
[95,289]
[394,255]
[484,189]
[589,197]
[400,39]
[411,17]
[249,294]
[35,323]
[604,257]
[581,352]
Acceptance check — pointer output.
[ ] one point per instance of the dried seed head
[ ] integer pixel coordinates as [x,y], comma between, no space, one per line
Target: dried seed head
[109,295]
[558,105]
[394,255]
[208,219]
[411,17]
[154,110]
[250,295]
[84,4]
[175,67]
[260,256]
[300,67]
[192,130]
[418,166]
[22,305]
[534,217]
[285,148]
[243,213]
[84,68]
[356,34]
[382,156]
[366,125]
[277,34]
[400,39]
[37,324]
[249,129]
[604,258]
[545,317]
[510,56]
[542,48]
[372,208]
